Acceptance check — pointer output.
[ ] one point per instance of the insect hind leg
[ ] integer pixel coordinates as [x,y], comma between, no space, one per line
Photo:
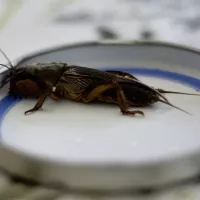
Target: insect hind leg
[122,102]
[96,93]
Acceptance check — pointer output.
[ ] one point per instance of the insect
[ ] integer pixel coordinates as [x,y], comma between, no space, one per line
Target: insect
[81,84]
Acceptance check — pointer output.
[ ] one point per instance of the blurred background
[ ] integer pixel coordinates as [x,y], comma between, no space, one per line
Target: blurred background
[29,25]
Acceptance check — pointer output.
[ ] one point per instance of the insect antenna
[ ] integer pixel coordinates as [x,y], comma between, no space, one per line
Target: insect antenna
[5,66]
[7,58]
[4,83]
[168,103]
[10,69]
[5,80]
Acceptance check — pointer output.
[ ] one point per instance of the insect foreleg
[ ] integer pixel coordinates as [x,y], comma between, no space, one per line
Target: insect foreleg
[39,103]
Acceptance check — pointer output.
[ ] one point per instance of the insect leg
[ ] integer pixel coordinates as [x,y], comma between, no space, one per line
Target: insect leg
[54,97]
[120,95]
[95,93]
[122,102]
[115,100]
[39,103]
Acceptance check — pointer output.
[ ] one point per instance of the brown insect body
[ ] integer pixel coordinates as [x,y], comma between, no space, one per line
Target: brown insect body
[82,84]
[78,83]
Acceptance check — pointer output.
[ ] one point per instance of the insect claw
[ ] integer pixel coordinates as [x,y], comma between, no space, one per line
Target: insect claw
[132,112]
[27,112]
[32,110]
[139,112]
